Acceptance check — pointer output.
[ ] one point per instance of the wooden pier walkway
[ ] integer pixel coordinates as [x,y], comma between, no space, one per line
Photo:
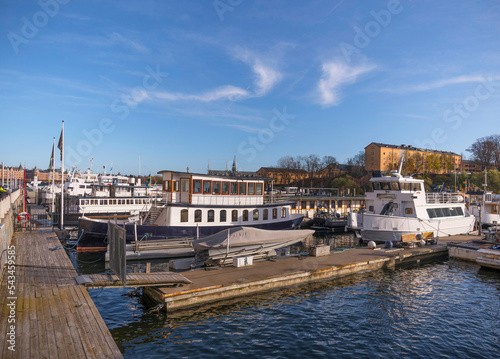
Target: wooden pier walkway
[45,313]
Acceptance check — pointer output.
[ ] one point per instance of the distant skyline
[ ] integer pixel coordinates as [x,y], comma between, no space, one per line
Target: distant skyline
[170,85]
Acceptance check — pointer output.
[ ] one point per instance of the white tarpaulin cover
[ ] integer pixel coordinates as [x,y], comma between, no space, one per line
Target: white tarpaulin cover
[246,236]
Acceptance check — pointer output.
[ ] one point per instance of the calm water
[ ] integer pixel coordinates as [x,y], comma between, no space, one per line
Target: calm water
[434,310]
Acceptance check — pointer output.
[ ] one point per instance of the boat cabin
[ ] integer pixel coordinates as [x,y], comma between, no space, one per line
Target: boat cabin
[200,189]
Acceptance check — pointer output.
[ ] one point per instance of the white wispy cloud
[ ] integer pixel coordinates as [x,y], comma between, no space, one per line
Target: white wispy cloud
[228,92]
[457,80]
[337,74]
[265,78]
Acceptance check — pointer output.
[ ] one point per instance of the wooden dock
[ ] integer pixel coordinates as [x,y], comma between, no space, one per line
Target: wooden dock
[209,286]
[133,280]
[45,313]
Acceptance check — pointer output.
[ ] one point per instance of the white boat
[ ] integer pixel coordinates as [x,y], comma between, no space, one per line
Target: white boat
[239,241]
[198,205]
[398,206]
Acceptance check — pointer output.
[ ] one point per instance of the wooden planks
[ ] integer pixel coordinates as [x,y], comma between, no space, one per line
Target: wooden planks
[55,317]
[135,279]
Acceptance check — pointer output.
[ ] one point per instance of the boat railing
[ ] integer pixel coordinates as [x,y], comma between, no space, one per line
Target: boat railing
[443,197]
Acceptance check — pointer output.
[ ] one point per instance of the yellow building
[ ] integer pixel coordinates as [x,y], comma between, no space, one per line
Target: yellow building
[282,175]
[384,157]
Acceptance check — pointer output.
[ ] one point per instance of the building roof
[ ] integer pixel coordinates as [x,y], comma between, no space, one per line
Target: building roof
[411,148]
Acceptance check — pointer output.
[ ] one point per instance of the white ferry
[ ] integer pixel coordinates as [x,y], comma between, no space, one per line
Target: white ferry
[198,205]
[397,206]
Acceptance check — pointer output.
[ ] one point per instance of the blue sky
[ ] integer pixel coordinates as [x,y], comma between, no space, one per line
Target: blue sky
[172,84]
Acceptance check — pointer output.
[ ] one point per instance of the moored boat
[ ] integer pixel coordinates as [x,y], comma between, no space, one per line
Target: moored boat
[199,205]
[398,206]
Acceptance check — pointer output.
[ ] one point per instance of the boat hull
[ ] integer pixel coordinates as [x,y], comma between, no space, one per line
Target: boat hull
[95,232]
[379,228]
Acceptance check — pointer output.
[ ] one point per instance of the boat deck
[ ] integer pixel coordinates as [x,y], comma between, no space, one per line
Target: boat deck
[52,316]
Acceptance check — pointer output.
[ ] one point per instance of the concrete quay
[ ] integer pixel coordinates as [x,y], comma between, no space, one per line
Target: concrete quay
[209,286]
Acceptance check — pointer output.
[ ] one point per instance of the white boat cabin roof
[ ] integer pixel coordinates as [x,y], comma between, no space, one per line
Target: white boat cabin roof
[167,174]
[396,178]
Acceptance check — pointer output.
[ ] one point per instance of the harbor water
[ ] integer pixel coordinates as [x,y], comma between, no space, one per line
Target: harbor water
[439,309]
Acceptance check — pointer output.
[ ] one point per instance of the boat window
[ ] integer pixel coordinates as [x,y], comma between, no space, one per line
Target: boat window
[184,215]
[197,215]
[303,205]
[196,186]
[431,212]
[369,187]
[255,214]
[294,205]
[459,211]
[245,215]
[211,215]
[377,186]
[223,215]
[439,212]
[311,205]
[258,189]
[207,187]
[215,187]
[494,209]
[251,188]
[386,185]
[184,185]
[225,187]
[167,186]
[101,201]
[371,209]
[453,211]
[234,187]
[446,212]
[82,186]
[416,187]
[234,215]
[395,186]
[283,212]
[243,188]
[265,214]
[275,213]
[175,185]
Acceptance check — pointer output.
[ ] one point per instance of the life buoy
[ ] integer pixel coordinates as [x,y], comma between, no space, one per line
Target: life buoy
[23,217]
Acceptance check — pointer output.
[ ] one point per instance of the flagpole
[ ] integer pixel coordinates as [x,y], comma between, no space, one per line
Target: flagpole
[53,177]
[62,176]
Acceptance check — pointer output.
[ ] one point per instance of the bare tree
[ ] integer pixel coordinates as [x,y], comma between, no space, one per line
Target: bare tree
[486,150]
